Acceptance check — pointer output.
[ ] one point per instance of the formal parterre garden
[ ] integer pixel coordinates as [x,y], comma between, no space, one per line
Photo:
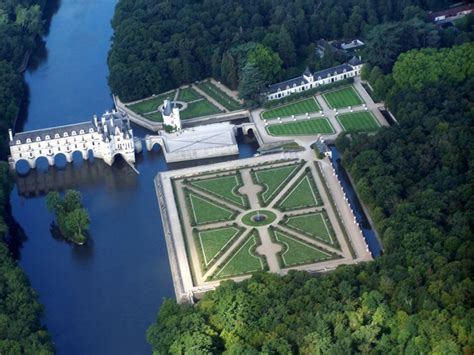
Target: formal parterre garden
[302,107]
[267,217]
[343,98]
[197,104]
[302,128]
[362,121]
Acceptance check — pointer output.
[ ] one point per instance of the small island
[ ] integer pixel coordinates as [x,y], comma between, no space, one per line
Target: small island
[72,220]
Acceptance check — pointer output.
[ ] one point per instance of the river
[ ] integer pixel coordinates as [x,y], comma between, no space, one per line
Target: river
[99,298]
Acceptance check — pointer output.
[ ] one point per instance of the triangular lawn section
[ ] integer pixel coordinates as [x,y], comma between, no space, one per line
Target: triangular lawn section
[273,179]
[312,225]
[214,240]
[204,211]
[301,195]
[298,252]
[222,186]
[242,262]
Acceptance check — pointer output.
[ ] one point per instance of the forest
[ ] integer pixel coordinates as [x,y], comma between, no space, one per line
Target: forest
[20,329]
[159,45]
[417,180]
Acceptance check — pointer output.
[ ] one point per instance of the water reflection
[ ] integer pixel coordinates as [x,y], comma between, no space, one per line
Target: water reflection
[78,175]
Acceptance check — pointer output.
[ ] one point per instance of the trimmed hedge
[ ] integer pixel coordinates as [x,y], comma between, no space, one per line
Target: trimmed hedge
[285,195]
[203,265]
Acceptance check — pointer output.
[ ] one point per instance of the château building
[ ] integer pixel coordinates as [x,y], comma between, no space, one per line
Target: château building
[104,138]
[312,80]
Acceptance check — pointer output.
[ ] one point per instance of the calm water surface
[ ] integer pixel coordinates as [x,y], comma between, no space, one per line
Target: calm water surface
[100,298]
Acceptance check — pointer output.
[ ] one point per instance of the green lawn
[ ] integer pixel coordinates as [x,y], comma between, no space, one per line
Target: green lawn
[188,94]
[204,211]
[225,187]
[313,225]
[343,98]
[220,96]
[151,104]
[214,240]
[297,108]
[155,116]
[301,128]
[363,121]
[243,261]
[199,109]
[303,194]
[297,252]
[273,179]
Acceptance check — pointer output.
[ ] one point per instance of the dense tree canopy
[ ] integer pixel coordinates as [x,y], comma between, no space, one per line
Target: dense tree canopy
[159,45]
[72,218]
[20,329]
[417,180]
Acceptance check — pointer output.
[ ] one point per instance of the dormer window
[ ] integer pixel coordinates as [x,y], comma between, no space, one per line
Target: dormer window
[81,131]
[91,130]
[319,78]
[28,140]
[329,75]
[18,141]
[344,71]
[294,85]
[47,137]
[73,133]
[65,134]
[287,87]
[56,135]
[38,139]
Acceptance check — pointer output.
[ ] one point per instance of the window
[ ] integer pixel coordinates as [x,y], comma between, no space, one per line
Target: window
[18,141]
[28,140]
[81,131]
[56,135]
[65,134]
[47,136]
[91,130]
[73,133]
[38,139]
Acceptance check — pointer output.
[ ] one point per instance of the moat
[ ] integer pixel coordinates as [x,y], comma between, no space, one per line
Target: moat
[99,298]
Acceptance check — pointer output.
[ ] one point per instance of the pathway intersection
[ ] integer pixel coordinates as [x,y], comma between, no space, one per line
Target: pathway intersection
[275,243]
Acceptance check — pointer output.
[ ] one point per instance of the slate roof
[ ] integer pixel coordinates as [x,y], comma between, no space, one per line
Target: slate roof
[42,133]
[300,80]
[118,119]
[332,71]
[167,107]
[355,61]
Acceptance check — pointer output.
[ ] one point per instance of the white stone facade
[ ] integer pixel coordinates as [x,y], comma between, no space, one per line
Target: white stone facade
[170,113]
[105,138]
[310,80]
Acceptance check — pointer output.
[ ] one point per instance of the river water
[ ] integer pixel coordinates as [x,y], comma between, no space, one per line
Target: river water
[99,298]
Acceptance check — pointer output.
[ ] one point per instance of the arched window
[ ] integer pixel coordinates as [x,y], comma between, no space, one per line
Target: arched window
[65,134]
[81,131]
[91,130]
[56,135]
[18,141]
[28,140]
[73,133]
[38,139]
[47,136]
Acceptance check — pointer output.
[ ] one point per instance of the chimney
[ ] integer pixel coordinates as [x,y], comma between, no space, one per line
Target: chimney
[95,121]
[10,133]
